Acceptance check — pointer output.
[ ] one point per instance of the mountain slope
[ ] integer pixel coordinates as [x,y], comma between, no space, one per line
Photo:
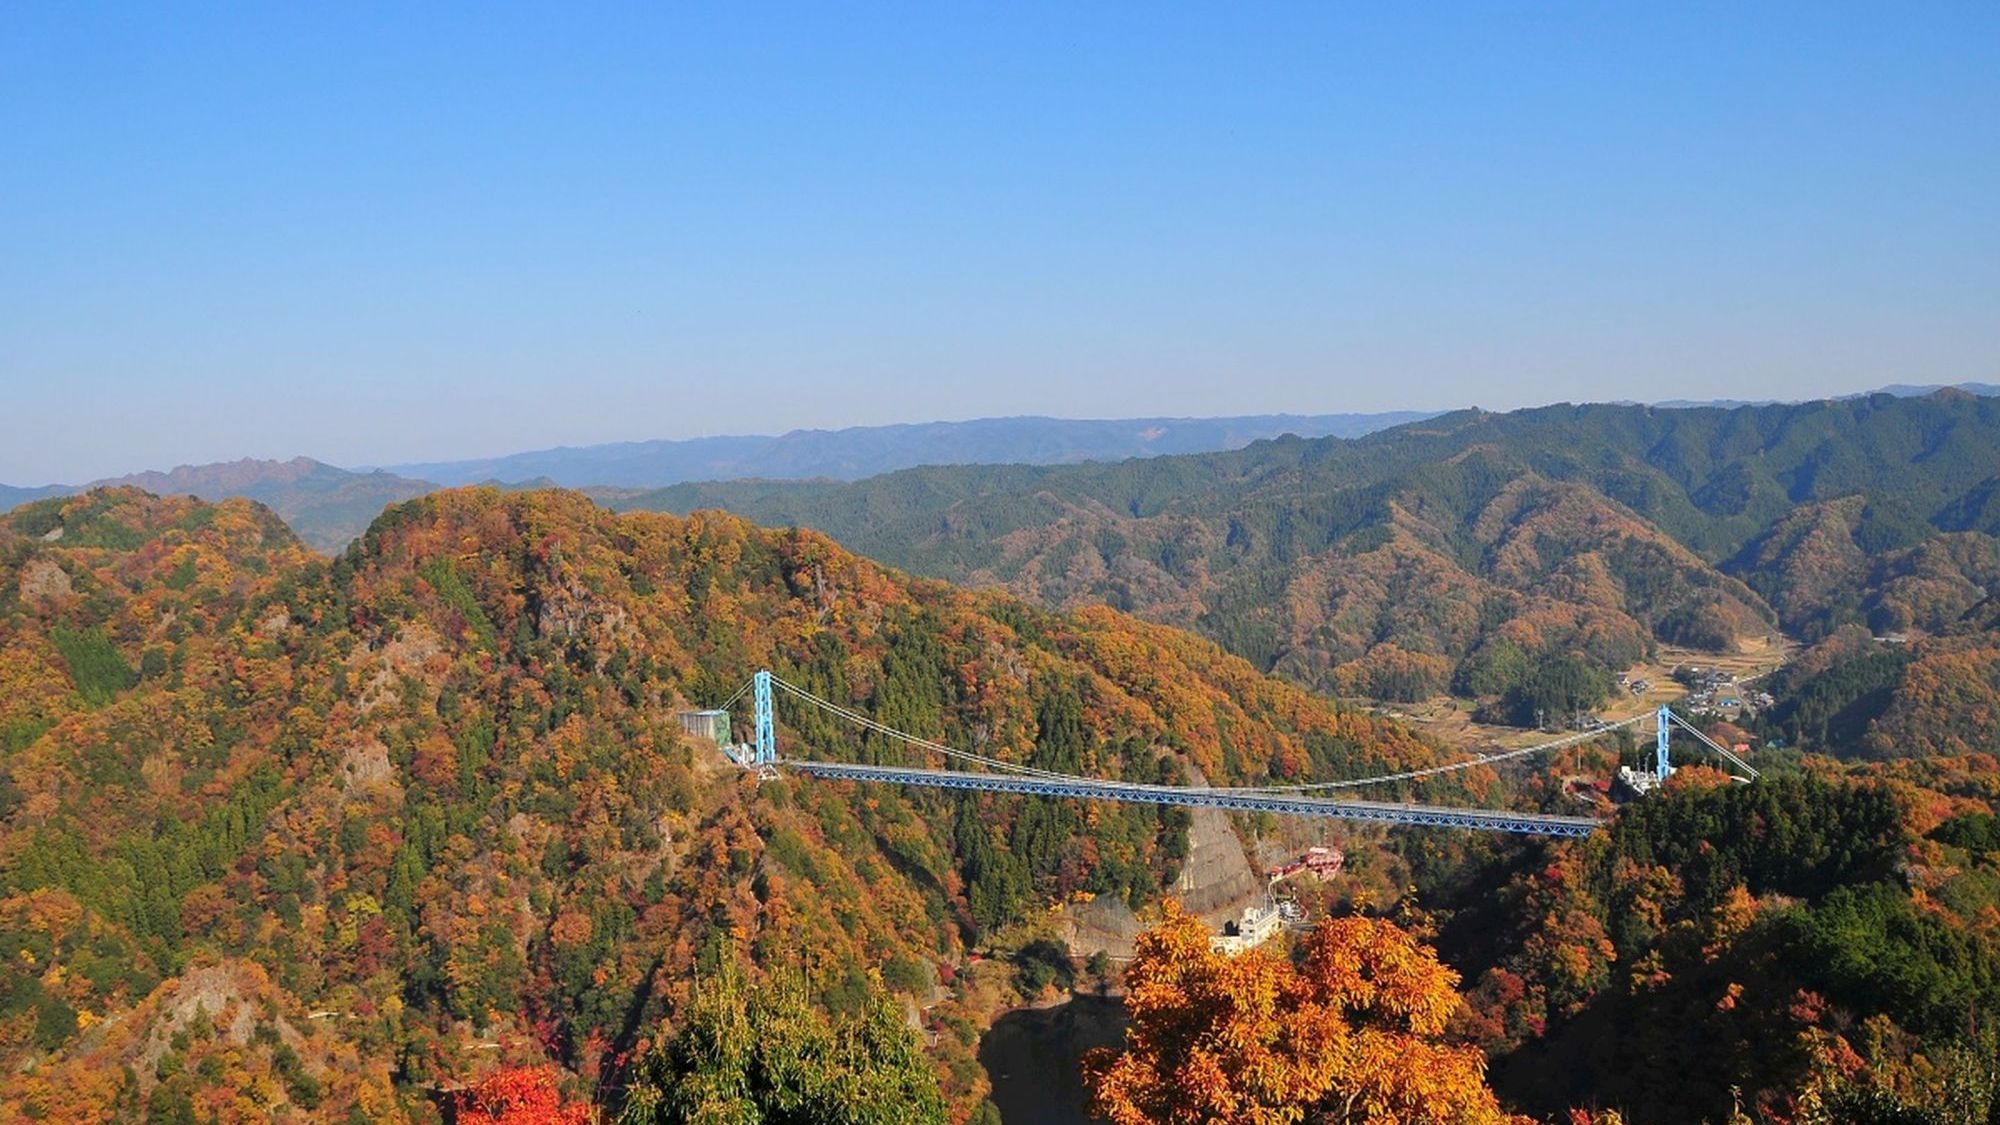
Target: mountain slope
[1825,564]
[12,497]
[1620,515]
[329,506]
[326,506]
[325,830]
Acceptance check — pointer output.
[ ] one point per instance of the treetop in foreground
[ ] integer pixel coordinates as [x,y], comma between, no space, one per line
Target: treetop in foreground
[1350,1033]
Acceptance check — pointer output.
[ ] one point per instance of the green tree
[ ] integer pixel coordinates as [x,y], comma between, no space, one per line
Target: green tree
[767,1055]
[96,665]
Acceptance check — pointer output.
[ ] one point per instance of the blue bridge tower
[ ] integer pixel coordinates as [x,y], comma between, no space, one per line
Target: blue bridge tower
[766,745]
[1661,766]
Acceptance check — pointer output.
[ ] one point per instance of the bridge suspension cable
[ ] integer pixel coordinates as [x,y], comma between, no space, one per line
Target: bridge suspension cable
[1721,751]
[1012,777]
[862,720]
[1432,771]
[731,701]
[885,730]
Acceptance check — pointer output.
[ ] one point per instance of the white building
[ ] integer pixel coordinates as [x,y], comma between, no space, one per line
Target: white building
[1640,782]
[1256,927]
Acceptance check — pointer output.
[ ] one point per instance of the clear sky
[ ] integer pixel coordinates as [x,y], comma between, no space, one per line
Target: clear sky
[371,235]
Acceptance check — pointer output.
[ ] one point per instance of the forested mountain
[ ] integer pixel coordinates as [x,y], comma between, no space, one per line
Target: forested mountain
[861,451]
[325,505]
[328,506]
[1815,947]
[1832,563]
[1461,549]
[12,497]
[283,837]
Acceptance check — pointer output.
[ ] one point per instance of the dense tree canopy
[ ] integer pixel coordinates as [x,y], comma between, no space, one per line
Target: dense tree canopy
[1786,941]
[1351,1034]
[1570,530]
[290,839]
[520,1096]
[425,811]
[774,1055]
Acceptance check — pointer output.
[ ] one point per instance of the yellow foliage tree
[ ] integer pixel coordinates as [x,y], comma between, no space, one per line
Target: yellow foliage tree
[1350,1035]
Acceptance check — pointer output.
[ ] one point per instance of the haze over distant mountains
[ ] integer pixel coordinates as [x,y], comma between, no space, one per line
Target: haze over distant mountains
[325,505]
[1470,549]
[329,506]
[1899,390]
[864,451]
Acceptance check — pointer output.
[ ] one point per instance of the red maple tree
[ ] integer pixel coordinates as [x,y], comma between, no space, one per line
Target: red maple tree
[520,1096]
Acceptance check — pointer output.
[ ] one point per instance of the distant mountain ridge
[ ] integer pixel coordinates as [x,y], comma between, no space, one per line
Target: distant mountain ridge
[865,451]
[325,505]
[329,506]
[1899,390]
[1472,548]
[12,497]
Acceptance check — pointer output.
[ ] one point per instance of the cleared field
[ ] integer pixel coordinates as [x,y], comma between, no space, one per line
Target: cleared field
[1449,719]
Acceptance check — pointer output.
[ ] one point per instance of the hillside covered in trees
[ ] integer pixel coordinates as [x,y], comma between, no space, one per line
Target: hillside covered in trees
[1817,947]
[1462,552]
[414,832]
[290,838]
[325,506]
[330,507]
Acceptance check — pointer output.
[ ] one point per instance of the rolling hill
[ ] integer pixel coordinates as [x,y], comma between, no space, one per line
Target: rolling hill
[330,506]
[296,838]
[326,506]
[284,838]
[1464,541]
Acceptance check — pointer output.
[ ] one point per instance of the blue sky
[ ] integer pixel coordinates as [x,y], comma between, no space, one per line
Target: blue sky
[372,236]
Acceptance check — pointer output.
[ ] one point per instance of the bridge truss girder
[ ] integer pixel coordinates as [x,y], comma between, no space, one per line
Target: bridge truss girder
[1378,812]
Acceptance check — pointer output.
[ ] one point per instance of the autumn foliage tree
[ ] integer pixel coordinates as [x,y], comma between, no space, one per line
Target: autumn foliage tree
[520,1096]
[1349,1034]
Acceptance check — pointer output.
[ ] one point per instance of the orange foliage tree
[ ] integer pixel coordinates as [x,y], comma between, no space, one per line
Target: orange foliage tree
[520,1096]
[1349,1035]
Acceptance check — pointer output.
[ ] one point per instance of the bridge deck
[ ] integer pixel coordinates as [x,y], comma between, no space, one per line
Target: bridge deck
[1380,812]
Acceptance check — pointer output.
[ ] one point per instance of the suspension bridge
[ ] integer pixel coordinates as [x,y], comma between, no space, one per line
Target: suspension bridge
[993,775]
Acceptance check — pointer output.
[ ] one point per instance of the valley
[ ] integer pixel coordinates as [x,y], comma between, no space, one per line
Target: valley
[365,833]
[1323,564]
[1450,721]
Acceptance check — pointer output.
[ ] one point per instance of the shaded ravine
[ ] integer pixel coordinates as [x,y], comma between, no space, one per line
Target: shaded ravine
[1033,1055]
